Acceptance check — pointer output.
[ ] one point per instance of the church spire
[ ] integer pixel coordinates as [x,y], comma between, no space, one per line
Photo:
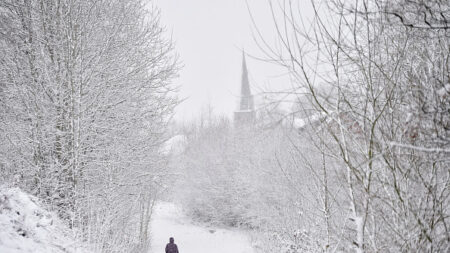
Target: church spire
[246,102]
[245,113]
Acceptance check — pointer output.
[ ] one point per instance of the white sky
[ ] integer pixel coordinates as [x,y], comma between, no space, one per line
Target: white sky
[209,36]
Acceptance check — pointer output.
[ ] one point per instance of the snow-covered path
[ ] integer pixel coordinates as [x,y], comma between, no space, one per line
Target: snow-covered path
[169,221]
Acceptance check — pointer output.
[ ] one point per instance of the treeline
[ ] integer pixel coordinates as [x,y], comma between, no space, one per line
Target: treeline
[265,178]
[84,103]
[361,161]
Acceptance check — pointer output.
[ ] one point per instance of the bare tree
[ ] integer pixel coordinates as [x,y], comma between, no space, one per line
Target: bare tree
[377,74]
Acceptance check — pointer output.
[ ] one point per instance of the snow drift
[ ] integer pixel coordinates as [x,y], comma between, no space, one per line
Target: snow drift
[27,227]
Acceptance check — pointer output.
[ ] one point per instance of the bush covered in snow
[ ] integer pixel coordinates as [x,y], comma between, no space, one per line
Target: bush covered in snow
[27,227]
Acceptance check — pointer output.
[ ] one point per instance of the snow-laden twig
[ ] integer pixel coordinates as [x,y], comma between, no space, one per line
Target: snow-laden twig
[424,149]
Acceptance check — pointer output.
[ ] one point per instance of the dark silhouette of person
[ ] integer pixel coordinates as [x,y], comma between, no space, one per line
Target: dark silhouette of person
[171,247]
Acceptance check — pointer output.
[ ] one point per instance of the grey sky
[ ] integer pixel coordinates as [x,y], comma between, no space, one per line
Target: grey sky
[209,35]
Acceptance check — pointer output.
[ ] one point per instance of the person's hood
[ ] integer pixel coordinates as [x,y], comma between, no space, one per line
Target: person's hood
[171,240]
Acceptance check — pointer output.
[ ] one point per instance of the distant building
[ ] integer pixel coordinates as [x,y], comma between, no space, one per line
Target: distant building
[245,113]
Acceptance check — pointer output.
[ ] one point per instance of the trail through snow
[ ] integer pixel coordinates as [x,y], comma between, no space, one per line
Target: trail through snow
[169,221]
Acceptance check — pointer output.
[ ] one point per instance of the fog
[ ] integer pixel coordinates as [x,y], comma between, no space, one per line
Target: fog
[125,123]
[210,37]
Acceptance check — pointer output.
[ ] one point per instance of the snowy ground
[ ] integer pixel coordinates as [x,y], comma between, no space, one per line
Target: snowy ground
[26,227]
[169,221]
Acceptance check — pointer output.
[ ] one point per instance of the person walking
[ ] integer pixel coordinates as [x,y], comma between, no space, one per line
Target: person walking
[171,247]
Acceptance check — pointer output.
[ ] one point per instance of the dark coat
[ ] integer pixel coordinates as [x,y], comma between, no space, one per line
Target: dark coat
[171,248]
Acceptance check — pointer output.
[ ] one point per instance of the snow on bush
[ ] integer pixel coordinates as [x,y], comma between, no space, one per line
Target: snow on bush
[26,227]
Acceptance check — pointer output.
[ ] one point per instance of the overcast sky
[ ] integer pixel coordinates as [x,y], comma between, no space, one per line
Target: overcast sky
[209,36]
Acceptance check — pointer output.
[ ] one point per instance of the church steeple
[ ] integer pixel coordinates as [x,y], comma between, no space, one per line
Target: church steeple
[245,113]
[246,102]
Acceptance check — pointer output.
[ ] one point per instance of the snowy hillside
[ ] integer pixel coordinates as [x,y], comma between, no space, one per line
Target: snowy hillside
[26,227]
[169,221]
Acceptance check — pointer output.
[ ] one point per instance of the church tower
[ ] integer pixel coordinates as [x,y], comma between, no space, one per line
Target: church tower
[245,113]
